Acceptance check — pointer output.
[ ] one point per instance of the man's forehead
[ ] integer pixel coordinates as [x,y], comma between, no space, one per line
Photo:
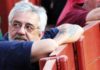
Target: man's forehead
[27,17]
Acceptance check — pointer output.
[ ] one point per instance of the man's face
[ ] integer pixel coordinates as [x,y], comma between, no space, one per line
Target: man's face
[25,27]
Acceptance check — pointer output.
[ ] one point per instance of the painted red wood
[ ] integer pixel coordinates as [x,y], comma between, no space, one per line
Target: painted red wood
[88,48]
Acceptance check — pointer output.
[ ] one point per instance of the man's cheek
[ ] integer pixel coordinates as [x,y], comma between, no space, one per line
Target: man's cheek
[13,34]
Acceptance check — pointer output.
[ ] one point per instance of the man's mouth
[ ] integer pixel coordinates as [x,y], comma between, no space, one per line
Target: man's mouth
[20,39]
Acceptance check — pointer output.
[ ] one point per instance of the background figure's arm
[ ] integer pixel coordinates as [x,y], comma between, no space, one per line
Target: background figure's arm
[68,33]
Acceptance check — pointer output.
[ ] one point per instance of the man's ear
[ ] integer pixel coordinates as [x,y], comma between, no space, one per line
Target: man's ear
[41,34]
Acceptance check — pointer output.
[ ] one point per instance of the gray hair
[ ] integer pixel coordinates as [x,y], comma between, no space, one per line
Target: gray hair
[26,6]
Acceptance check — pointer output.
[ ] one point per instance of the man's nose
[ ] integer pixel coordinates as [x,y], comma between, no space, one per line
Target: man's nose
[21,30]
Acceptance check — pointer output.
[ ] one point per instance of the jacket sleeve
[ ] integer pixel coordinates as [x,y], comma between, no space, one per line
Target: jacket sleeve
[51,33]
[15,53]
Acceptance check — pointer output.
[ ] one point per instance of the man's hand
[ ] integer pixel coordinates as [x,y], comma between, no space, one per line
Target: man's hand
[68,33]
[42,48]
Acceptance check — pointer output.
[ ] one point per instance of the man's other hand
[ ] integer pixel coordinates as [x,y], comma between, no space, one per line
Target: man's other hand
[68,33]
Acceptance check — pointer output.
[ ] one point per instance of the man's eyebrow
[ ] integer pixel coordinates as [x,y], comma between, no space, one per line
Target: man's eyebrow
[30,24]
[17,21]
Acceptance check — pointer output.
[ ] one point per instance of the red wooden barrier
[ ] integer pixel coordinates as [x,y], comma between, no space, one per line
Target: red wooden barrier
[88,48]
[66,50]
[54,63]
[48,63]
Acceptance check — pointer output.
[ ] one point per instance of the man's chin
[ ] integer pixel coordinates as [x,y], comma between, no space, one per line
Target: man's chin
[20,40]
[17,39]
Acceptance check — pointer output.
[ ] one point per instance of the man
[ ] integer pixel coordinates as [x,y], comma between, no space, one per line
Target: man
[27,23]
